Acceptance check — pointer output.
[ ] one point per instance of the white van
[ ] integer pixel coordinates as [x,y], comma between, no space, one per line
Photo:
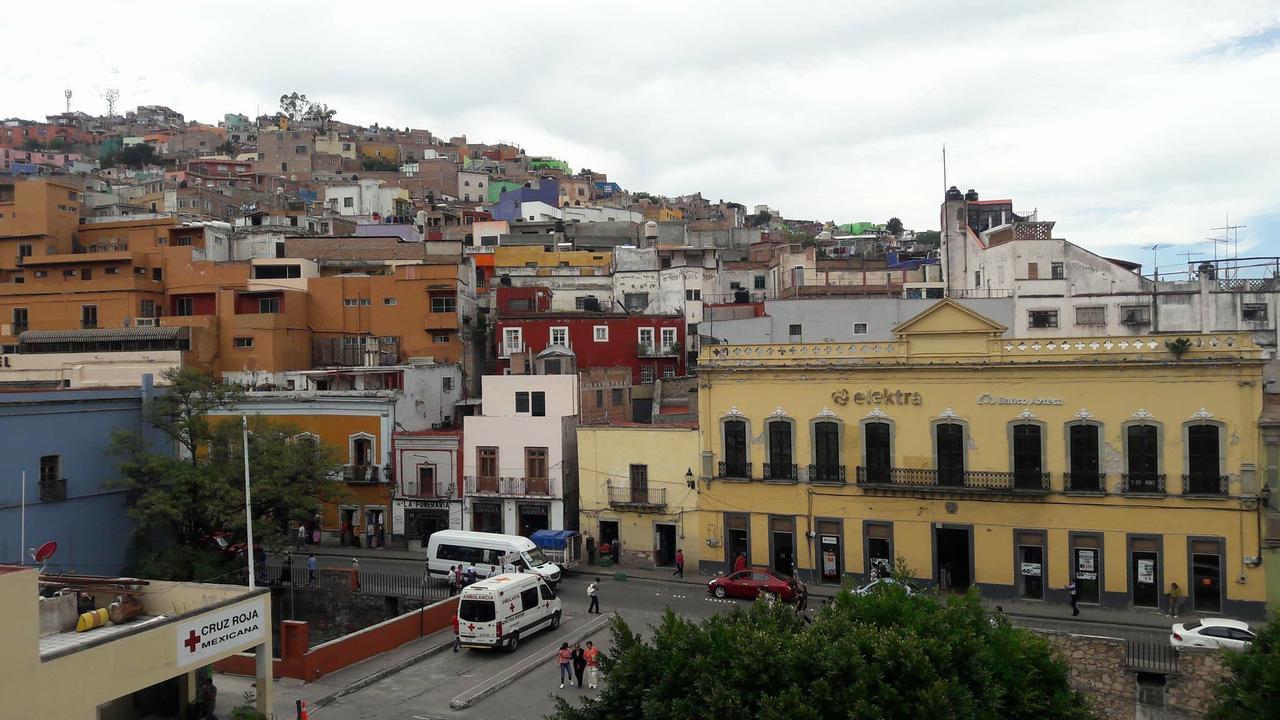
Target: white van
[498,611]
[491,553]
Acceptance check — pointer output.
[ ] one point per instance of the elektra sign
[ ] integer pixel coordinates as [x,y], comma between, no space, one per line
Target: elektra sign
[997,400]
[221,632]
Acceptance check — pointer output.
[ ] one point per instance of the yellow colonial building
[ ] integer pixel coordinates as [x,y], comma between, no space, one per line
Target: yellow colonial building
[1125,464]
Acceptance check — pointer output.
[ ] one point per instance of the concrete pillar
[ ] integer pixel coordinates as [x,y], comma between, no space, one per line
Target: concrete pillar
[266,690]
[188,690]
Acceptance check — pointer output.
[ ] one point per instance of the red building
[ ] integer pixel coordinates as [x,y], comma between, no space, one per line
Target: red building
[652,346]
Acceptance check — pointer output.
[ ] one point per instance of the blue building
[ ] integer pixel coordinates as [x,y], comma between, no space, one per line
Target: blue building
[61,439]
[543,190]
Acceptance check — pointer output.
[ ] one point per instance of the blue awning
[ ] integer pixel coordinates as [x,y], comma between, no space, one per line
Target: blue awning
[552,539]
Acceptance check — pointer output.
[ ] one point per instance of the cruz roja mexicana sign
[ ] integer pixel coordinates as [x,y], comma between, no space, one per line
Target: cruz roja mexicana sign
[222,631]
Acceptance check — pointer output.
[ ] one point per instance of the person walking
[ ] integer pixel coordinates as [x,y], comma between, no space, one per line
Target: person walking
[311,570]
[368,534]
[457,632]
[1074,594]
[1175,599]
[679,563]
[802,596]
[286,569]
[472,575]
[579,658]
[457,578]
[593,592]
[301,537]
[208,699]
[355,572]
[452,579]
[592,656]
[565,657]
[740,562]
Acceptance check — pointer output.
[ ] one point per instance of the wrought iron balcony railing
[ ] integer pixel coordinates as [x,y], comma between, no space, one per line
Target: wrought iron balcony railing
[780,472]
[637,498]
[827,474]
[1084,482]
[734,470]
[508,486]
[1215,485]
[953,479]
[1147,483]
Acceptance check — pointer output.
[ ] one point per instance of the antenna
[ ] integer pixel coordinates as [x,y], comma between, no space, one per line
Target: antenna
[1231,236]
[1155,265]
[112,95]
[1188,254]
[67,94]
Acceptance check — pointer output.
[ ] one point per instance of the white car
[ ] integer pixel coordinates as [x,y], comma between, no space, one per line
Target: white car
[1212,633]
[885,584]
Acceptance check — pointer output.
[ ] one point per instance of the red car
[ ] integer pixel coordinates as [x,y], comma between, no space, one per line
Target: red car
[750,583]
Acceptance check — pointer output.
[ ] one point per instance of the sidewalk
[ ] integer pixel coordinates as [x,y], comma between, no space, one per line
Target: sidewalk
[329,546]
[1012,608]
[231,688]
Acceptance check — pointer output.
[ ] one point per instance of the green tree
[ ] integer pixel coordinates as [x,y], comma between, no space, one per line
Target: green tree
[378,163]
[1253,689]
[894,226]
[134,156]
[226,148]
[180,500]
[293,105]
[320,114]
[886,655]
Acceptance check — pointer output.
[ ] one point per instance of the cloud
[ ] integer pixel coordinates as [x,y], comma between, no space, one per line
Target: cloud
[1128,123]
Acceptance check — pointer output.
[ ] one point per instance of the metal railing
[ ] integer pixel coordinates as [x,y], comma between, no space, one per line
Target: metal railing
[733,470]
[780,472]
[1084,482]
[508,486]
[276,573]
[1205,484]
[659,350]
[1151,657]
[827,474]
[1143,483]
[361,474]
[946,479]
[634,497]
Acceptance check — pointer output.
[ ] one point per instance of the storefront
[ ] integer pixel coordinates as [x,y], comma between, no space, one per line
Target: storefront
[531,517]
[422,518]
[486,516]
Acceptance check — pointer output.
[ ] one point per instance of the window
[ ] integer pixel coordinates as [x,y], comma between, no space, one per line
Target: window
[284,167]
[348,202]
[635,301]
[389,301]
[350,302]
[560,336]
[426,482]
[977,278]
[826,453]
[148,309]
[529,598]
[535,463]
[876,441]
[539,404]
[184,306]
[1084,452]
[600,333]
[780,465]
[1042,318]
[949,453]
[112,271]
[268,305]
[1142,449]
[734,464]
[88,316]
[439,337]
[1056,271]
[668,373]
[522,401]
[1091,315]
[487,462]
[668,338]
[299,149]
[52,489]
[758,282]
[19,320]
[68,273]
[24,250]
[480,611]
[512,341]
[735,285]
[86,274]
[519,305]
[443,305]
[615,397]
[692,294]
[1033,271]
[1203,460]
[646,373]
[244,343]
[859,328]
[1135,314]
[446,384]
[639,475]
[795,331]
[1028,458]
[1253,312]
[645,338]
[599,398]
[581,302]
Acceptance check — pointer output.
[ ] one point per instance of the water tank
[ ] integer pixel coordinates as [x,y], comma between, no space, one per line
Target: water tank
[591,304]
[505,281]
[651,229]
[741,296]
[420,219]
[953,194]
[971,195]
[1208,270]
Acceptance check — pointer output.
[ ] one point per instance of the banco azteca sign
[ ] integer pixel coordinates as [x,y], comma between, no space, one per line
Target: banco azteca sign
[221,632]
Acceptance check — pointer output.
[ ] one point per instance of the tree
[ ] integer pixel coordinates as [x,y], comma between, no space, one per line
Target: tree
[320,114]
[378,163]
[293,105]
[1253,689]
[886,655]
[226,148]
[894,226]
[135,156]
[179,501]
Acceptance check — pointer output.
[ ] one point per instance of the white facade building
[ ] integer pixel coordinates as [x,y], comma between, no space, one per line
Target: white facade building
[364,197]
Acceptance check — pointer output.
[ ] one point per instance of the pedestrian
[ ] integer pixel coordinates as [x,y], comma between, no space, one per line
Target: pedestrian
[286,569]
[592,655]
[740,563]
[579,663]
[944,576]
[472,575]
[1071,588]
[565,656]
[593,592]
[368,534]
[302,535]
[344,533]
[311,569]
[1175,599]
[451,578]
[208,699]
[679,563]
[457,578]
[355,572]
[457,633]
[802,596]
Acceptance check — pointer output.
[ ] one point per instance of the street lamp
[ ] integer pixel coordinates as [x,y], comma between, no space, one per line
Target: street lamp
[688,479]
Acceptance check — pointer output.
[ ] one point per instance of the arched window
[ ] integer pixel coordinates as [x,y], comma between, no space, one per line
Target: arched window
[877,450]
[1084,458]
[826,467]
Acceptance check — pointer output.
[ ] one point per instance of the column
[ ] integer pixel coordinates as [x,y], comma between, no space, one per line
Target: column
[266,690]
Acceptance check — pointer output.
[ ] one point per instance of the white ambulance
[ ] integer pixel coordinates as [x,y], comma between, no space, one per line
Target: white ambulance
[498,611]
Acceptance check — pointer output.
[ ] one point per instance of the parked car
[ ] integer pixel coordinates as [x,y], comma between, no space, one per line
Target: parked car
[491,553]
[497,611]
[1212,633]
[224,542]
[750,583]
[885,584]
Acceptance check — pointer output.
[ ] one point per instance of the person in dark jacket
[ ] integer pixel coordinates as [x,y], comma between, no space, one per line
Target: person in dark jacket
[579,659]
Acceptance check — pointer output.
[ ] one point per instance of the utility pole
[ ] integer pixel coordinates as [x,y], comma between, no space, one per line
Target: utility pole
[248,507]
[1155,265]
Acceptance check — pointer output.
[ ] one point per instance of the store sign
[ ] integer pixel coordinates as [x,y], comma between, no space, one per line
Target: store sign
[425,504]
[486,507]
[1031,569]
[1146,571]
[1001,400]
[877,397]
[1085,560]
[223,631]
[533,509]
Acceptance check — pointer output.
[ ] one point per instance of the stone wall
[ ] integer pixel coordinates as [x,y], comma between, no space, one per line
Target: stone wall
[1099,670]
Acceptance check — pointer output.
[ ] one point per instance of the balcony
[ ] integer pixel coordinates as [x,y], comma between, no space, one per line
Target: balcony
[508,486]
[53,490]
[1205,485]
[827,474]
[733,471]
[1146,483]
[780,472]
[638,499]
[650,350]
[1084,482]
[361,474]
[982,481]
[506,350]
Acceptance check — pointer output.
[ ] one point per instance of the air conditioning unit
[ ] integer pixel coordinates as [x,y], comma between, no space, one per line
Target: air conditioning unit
[147,322]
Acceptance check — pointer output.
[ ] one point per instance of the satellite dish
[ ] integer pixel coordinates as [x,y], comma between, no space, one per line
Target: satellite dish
[45,551]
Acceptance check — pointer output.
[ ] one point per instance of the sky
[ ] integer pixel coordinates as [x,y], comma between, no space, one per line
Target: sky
[1131,124]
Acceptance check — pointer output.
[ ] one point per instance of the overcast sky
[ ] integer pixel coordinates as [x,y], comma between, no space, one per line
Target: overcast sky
[1129,123]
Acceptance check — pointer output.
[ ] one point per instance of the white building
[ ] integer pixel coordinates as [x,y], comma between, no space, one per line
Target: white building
[520,456]
[428,489]
[473,186]
[364,197]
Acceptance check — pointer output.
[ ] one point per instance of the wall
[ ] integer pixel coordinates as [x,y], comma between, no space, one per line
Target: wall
[832,320]
[88,370]
[621,349]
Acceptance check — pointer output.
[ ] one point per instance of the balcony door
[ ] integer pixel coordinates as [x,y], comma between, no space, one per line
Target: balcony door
[879,453]
[1084,458]
[735,449]
[1028,462]
[1203,459]
[487,469]
[826,451]
[949,453]
[780,456]
[535,471]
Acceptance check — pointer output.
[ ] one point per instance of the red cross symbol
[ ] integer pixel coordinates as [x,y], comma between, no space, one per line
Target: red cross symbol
[471,626]
[512,606]
[192,641]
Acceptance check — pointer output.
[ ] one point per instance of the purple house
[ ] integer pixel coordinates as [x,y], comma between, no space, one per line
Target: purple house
[542,190]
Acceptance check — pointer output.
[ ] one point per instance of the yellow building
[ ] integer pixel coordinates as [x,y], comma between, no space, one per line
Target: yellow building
[1018,465]
[633,484]
[535,260]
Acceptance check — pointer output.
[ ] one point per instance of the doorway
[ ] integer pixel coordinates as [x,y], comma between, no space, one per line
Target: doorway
[609,539]
[954,570]
[782,541]
[1031,571]
[664,545]
[1206,576]
[737,539]
[1144,569]
[422,523]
